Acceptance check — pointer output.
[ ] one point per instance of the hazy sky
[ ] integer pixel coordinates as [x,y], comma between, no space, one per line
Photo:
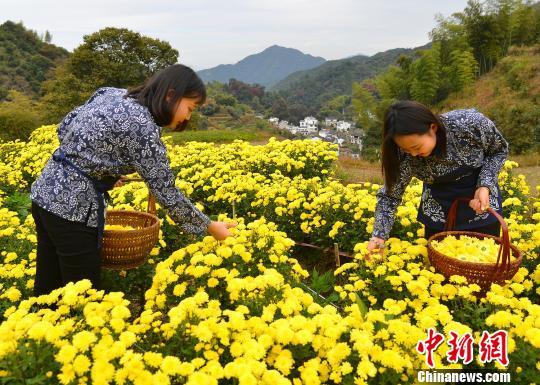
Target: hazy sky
[210,32]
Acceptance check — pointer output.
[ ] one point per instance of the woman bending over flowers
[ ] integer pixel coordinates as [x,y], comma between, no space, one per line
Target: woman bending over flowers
[456,154]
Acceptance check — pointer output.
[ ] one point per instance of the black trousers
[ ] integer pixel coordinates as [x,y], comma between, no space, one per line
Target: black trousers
[492,229]
[67,251]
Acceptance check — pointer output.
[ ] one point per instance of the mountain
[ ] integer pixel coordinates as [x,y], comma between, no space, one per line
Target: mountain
[265,68]
[316,86]
[25,59]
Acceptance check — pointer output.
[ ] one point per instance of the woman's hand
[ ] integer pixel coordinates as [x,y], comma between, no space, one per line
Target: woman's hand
[375,245]
[480,202]
[220,230]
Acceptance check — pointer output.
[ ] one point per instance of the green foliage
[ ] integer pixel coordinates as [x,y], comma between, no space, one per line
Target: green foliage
[394,83]
[365,107]
[425,75]
[31,361]
[519,121]
[20,203]
[339,107]
[226,100]
[321,286]
[19,116]
[462,69]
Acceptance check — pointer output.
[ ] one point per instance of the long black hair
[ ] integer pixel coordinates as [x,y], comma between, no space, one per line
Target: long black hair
[183,82]
[404,118]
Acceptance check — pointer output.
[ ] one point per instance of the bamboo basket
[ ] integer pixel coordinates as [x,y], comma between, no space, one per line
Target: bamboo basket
[128,249]
[483,274]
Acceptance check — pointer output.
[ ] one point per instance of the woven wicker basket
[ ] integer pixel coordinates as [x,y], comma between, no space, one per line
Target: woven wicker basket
[483,274]
[128,249]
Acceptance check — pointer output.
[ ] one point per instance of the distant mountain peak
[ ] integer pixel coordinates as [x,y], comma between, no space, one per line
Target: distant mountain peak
[267,67]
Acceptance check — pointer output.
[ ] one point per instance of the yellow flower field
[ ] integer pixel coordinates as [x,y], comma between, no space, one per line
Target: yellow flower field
[242,311]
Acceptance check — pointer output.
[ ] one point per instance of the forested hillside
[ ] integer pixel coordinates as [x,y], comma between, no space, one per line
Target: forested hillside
[510,96]
[26,59]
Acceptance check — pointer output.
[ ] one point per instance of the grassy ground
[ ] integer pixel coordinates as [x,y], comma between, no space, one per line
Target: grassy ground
[225,129]
[216,136]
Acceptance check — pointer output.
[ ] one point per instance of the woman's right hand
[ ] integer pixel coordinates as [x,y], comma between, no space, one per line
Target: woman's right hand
[376,245]
[220,230]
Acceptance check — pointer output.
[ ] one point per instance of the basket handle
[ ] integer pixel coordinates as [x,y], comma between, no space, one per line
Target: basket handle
[504,250]
[151,208]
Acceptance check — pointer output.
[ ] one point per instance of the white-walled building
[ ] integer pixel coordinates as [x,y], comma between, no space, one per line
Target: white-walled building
[343,125]
[309,123]
[283,125]
[330,122]
[274,120]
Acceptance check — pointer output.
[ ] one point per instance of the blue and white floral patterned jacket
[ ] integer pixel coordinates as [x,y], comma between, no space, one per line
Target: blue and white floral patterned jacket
[475,153]
[109,136]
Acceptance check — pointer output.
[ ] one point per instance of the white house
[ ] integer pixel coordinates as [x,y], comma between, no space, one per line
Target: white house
[343,126]
[294,129]
[310,123]
[284,125]
[273,120]
[330,122]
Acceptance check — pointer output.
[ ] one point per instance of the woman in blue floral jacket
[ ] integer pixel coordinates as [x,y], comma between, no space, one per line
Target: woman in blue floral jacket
[114,133]
[456,154]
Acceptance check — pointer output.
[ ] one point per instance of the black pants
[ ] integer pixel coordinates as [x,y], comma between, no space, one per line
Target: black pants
[492,229]
[67,251]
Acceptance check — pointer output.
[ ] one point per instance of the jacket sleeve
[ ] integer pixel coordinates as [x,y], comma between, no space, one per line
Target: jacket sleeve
[495,149]
[387,202]
[148,155]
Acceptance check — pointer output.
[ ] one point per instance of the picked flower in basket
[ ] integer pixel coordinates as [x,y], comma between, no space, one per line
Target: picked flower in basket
[129,236]
[481,258]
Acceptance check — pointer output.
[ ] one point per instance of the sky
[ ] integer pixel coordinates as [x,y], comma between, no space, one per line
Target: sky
[211,32]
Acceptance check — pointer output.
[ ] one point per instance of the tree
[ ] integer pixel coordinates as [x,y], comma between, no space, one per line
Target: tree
[525,24]
[225,99]
[119,57]
[63,93]
[426,71]
[484,35]
[394,83]
[48,37]
[365,106]
[115,57]
[463,68]
[338,107]
[368,119]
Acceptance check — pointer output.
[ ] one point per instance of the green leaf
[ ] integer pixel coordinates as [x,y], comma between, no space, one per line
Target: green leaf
[361,305]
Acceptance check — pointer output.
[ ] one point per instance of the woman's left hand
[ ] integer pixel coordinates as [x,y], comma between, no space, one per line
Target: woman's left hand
[480,202]
[220,230]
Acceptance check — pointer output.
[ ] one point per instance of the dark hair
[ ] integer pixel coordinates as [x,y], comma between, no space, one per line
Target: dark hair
[404,118]
[152,94]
